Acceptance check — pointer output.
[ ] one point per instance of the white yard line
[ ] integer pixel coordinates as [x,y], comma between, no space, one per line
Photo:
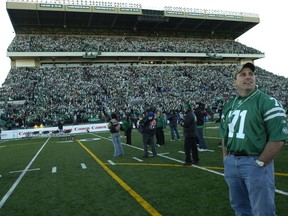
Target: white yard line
[111,162]
[36,169]
[281,192]
[10,191]
[54,170]
[135,158]
[83,165]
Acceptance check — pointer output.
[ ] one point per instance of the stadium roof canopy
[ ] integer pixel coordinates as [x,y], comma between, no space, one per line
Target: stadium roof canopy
[40,16]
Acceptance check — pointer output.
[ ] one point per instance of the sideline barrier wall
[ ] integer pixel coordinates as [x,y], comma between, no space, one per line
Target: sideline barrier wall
[23,133]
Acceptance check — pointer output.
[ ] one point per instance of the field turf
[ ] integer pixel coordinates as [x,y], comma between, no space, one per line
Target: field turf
[80,177]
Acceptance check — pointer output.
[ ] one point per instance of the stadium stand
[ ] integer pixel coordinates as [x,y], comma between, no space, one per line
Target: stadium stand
[80,73]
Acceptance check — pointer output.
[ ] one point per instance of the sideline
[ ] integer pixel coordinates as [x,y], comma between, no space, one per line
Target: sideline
[133,193]
[10,191]
[182,162]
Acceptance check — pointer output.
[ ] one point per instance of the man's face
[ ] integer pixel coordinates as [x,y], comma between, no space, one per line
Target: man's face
[245,82]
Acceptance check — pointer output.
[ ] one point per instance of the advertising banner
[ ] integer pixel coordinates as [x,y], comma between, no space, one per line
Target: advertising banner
[50,131]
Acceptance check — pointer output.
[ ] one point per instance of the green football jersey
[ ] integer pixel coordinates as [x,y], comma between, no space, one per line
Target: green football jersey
[248,123]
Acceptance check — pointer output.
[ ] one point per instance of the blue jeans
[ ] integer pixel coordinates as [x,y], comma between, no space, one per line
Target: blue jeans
[174,129]
[118,149]
[251,188]
[202,144]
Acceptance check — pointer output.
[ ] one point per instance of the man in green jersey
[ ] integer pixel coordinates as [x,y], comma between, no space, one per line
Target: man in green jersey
[253,129]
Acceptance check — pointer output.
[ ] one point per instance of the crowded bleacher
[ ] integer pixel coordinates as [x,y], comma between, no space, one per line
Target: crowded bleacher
[81,91]
[81,94]
[90,43]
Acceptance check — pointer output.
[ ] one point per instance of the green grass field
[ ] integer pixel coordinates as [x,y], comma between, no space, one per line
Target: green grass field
[47,176]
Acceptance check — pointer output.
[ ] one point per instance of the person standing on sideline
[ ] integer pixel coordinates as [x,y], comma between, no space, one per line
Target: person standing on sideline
[134,116]
[147,127]
[114,127]
[173,124]
[189,125]
[127,125]
[60,126]
[200,115]
[253,129]
[161,124]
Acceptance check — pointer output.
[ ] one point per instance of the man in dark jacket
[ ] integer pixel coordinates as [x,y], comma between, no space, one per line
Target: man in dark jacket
[127,126]
[173,124]
[189,125]
[200,115]
[147,126]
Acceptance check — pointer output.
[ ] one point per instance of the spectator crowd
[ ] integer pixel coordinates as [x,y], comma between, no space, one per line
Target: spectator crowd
[86,43]
[78,94]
